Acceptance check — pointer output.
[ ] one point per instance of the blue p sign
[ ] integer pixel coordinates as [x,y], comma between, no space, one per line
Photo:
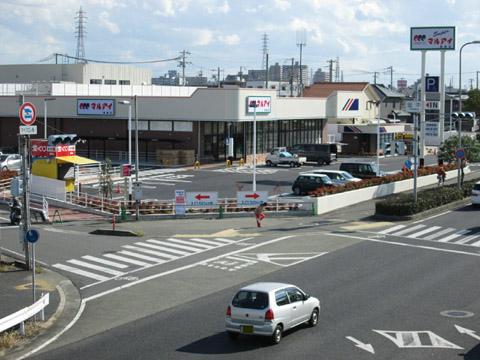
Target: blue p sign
[432,84]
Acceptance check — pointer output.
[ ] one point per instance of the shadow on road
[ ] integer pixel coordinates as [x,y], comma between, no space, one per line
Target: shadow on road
[469,208]
[269,182]
[473,354]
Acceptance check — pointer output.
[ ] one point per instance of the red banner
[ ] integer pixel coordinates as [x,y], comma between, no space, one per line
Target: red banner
[40,149]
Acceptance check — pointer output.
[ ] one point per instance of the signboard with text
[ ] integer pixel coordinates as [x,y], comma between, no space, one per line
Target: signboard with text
[264,104]
[432,105]
[103,107]
[41,149]
[251,198]
[180,200]
[413,106]
[432,38]
[432,137]
[202,199]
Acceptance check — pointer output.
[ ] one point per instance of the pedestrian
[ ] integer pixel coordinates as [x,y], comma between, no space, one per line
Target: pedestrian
[259,215]
[441,175]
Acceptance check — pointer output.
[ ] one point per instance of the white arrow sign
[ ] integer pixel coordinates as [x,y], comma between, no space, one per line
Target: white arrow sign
[469,332]
[361,345]
[413,339]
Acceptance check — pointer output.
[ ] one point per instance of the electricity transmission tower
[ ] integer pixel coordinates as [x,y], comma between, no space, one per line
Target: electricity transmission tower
[264,50]
[301,42]
[80,32]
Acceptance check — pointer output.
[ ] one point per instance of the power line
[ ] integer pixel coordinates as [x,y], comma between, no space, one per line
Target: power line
[109,62]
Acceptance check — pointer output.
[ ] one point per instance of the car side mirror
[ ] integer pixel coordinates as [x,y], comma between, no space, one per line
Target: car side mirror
[306,297]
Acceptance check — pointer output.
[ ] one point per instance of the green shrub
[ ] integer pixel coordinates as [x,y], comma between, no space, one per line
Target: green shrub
[402,204]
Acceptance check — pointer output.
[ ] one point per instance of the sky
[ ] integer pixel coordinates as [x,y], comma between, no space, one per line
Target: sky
[367,35]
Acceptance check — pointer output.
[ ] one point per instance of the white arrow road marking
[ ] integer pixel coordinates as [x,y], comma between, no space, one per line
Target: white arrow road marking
[469,332]
[282,259]
[411,339]
[361,345]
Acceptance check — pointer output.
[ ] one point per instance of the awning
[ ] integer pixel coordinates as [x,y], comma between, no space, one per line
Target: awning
[77,160]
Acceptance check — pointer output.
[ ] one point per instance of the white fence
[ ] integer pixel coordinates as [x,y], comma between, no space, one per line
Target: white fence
[26,313]
[50,188]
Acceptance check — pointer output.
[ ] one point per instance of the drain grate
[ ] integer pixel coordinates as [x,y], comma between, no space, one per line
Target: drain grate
[457,313]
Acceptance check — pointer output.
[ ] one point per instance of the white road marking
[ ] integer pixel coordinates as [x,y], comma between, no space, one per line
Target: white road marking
[95,267]
[440,233]
[208,242]
[127,260]
[105,262]
[151,252]
[80,272]
[475,243]
[163,248]
[432,217]
[190,243]
[423,232]
[466,239]
[184,247]
[226,241]
[143,257]
[392,229]
[411,339]
[410,229]
[454,236]
[361,345]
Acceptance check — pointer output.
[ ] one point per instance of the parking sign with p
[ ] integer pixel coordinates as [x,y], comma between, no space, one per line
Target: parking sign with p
[432,84]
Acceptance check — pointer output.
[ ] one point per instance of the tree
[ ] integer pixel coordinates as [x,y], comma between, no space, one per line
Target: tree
[105,179]
[473,101]
[471,147]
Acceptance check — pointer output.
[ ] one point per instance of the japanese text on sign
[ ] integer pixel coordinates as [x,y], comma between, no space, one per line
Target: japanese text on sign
[432,38]
[95,107]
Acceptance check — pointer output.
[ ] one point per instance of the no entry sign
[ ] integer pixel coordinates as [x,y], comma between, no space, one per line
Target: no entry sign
[27,113]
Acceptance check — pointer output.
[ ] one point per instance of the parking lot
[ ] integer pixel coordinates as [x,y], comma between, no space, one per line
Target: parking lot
[161,183]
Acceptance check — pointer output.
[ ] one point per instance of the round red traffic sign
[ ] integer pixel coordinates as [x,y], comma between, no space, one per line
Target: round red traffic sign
[27,113]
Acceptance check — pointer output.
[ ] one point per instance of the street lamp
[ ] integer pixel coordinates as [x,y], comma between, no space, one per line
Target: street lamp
[126,102]
[254,105]
[45,114]
[459,161]
[378,136]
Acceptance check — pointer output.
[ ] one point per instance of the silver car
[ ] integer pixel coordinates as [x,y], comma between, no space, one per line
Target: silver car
[10,162]
[268,309]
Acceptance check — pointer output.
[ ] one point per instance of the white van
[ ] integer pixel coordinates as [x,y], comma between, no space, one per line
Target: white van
[476,194]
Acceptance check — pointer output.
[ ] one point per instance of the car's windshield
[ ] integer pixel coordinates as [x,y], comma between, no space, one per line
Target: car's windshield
[250,300]
[476,187]
[3,157]
[347,175]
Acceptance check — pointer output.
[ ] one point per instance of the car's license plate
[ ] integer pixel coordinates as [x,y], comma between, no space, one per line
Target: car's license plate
[247,329]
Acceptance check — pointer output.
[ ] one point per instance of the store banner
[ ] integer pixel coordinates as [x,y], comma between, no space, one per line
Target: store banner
[103,107]
[263,103]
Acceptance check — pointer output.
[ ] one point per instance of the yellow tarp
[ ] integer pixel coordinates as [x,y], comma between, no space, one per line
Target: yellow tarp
[77,160]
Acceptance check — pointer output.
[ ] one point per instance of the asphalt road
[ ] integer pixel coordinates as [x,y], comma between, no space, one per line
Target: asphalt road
[161,183]
[391,288]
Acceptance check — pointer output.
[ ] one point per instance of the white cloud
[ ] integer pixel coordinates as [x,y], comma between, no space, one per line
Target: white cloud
[282,4]
[168,7]
[233,39]
[215,7]
[203,37]
[104,21]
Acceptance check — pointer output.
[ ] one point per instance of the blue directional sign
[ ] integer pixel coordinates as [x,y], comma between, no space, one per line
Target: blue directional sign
[408,164]
[432,84]
[32,236]
[460,153]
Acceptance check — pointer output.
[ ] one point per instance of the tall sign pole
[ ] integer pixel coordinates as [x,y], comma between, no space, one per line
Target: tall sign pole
[423,99]
[441,125]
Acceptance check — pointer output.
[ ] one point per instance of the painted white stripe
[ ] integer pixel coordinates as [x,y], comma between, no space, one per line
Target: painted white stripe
[475,243]
[127,260]
[423,232]
[189,243]
[454,236]
[151,252]
[226,241]
[410,229]
[241,259]
[95,267]
[80,272]
[208,242]
[392,229]
[440,233]
[184,247]
[140,256]
[466,239]
[105,262]
[432,217]
[163,248]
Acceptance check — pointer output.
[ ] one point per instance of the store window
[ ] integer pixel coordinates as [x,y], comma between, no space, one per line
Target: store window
[124,82]
[110,82]
[161,125]
[186,126]
[96,81]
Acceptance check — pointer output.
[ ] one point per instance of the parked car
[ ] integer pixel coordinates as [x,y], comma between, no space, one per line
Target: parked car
[362,170]
[306,182]
[276,157]
[338,177]
[476,194]
[319,153]
[268,309]
[10,162]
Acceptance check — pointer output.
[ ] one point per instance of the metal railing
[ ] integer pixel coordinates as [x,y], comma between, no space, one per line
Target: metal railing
[26,313]
[94,202]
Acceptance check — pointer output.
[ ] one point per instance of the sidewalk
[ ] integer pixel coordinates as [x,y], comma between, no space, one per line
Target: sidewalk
[16,293]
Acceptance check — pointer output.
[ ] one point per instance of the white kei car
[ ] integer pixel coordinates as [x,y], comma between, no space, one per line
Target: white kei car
[268,309]
[476,194]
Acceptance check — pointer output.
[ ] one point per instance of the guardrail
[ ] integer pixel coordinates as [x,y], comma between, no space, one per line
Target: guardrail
[94,202]
[26,313]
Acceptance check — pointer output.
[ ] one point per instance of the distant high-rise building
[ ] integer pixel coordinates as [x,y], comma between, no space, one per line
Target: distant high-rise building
[255,75]
[275,72]
[287,71]
[402,84]
[321,76]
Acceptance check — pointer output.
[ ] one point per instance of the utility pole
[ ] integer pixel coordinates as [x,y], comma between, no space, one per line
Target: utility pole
[375,73]
[183,63]
[330,69]
[218,76]
[337,69]
[266,71]
[477,79]
[137,162]
[301,42]
[391,76]
[471,83]
[291,79]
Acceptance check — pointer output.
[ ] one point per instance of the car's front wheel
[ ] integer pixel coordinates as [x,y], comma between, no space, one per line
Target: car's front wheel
[268,163]
[277,335]
[296,191]
[4,168]
[313,318]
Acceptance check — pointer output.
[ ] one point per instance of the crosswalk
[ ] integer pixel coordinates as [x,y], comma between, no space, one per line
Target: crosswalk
[138,255]
[246,170]
[436,233]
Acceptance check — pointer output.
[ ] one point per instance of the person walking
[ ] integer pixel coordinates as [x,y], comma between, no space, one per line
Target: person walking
[441,175]
[259,215]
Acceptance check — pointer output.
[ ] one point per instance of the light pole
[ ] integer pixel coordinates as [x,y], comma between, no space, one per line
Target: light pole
[254,105]
[45,114]
[459,161]
[137,201]
[126,102]
[379,103]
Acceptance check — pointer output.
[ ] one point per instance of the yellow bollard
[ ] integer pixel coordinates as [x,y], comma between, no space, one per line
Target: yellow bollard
[241,162]
[196,166]
[229,163]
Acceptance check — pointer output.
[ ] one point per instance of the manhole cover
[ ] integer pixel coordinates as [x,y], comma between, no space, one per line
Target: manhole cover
[457,313]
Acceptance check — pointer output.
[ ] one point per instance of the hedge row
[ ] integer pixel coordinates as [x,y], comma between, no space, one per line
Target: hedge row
[402,204]
[7,174]
[404,175]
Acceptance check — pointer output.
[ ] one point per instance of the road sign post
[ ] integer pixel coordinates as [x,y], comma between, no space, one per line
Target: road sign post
[32,236]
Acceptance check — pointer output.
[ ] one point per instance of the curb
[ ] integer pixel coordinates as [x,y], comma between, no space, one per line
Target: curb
[115,232]
[67,310]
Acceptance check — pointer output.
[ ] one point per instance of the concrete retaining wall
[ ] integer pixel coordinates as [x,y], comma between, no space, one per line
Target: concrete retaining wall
[325,204]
